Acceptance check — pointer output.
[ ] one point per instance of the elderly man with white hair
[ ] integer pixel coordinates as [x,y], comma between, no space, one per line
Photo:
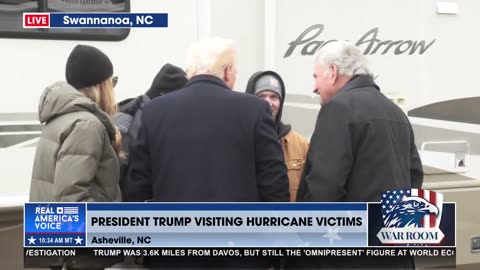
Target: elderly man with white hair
[363,143]
[205,142]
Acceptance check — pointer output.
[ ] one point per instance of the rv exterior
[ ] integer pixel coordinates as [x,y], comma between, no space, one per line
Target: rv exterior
[423,54]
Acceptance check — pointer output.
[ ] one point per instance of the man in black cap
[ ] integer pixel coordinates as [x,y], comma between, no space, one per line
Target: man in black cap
[128,118]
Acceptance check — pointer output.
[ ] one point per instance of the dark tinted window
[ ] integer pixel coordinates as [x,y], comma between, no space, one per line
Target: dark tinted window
[11,19]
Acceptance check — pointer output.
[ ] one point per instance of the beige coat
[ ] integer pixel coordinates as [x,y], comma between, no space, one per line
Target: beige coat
[75,160]
[295,148]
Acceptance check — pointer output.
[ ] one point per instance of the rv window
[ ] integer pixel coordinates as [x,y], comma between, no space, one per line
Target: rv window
[11,19]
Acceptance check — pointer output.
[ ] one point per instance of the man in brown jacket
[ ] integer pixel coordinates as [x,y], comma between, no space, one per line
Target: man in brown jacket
[270,86]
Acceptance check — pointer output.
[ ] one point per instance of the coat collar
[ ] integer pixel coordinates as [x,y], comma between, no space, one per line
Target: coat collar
[358,81]
[208,79]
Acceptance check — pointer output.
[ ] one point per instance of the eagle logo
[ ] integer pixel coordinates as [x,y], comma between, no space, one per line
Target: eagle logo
[409,212]
[411,208]
[411,217]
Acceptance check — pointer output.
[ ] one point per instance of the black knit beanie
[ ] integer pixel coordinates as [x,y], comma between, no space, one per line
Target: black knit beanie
[87,66]
[168,79]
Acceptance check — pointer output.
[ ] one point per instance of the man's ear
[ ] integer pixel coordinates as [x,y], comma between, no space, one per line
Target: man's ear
[227,73]
[333,73]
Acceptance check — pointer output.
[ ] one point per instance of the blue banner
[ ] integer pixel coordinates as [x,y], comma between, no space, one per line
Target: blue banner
[227,224]
[108,20]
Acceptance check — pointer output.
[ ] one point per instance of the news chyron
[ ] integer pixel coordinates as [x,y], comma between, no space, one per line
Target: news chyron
[406,223]
[94,20]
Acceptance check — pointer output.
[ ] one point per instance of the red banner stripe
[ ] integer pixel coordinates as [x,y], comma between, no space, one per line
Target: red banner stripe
[420,194]
[433,200]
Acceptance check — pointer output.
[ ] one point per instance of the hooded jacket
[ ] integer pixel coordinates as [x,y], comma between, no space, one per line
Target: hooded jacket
[295,146]
[75,160]
[128,118]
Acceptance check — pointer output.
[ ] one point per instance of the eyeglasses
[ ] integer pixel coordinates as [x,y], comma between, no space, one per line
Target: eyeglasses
[114,80]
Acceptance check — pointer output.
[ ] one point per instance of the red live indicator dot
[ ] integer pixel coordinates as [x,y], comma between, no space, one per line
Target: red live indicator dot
[36,20]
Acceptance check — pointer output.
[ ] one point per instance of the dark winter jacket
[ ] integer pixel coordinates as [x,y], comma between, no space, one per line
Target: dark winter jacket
[207,143]
[128,118]
[363,145]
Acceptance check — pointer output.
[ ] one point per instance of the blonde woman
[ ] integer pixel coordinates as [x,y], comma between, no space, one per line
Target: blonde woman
[77,154]
[78,151]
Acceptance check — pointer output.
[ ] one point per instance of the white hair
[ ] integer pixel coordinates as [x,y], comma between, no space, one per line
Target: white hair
[346,56]
[210,56]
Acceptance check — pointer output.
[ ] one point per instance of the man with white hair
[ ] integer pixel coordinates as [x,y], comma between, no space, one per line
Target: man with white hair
[363,143]
[205,142]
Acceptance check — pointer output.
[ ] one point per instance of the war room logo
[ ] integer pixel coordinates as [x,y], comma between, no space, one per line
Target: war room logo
[411,216]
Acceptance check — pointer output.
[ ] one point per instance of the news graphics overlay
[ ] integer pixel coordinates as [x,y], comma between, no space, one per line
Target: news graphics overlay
[94,20]
[303,230]
[189,225]
[411,216]
[55,225]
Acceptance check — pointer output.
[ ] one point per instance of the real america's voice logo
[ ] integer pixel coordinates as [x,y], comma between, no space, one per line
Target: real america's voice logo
[411,216]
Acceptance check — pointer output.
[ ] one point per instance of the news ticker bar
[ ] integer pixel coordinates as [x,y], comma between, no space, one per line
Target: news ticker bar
[299,258]
[245,252]
[94,20]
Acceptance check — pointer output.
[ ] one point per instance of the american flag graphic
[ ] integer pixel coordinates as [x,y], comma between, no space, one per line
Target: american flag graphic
[70,210]
[394,200]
